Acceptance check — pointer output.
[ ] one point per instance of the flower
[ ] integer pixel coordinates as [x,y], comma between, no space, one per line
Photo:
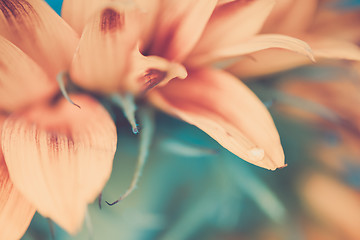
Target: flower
[54,158]
[139,46]
[126,48]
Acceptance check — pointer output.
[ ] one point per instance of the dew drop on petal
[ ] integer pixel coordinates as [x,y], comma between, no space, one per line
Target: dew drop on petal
[257,153]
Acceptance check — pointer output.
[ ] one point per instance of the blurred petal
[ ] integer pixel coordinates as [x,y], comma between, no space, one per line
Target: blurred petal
[223,107]
[254,44]
[38,31]
[342,212]
[233,22]
[335,95]
[337,23]
[102,57]
[334,49]
[180,26]
[291,16]
[65,159]
[20,74]
[15,211]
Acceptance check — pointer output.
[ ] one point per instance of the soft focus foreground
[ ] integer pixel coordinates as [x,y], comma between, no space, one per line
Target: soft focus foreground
[192,188]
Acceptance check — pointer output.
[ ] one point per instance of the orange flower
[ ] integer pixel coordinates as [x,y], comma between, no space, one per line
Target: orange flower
[332,33]
[139,46]
[54,158]
[59,157]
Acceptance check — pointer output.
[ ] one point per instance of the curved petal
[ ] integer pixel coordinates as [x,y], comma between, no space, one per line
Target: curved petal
[267,62]
[102,57]
[180,26]
[231,23]
[148,72]
[276,60]
[223,107]
[20,74]
[15,211]
[38,31]
[65,159]
[254,44]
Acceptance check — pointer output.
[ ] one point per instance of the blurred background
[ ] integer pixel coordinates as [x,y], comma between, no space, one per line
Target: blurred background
[192,188]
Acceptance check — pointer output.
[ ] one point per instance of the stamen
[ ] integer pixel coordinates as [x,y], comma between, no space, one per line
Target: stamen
[147,120]
[127,104]
[60,78]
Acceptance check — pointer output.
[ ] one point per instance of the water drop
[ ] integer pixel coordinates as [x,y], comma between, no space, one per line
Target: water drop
[257,153]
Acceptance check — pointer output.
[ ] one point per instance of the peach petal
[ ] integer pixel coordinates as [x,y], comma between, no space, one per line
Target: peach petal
[337,23]
[38,31]
[291,17]
[15,211]
[254,44]
[102,58]
[324,47]
[150,11]
[65,159]
[180,26]
[267,62]
[223,107]
[20,74]
[232,23]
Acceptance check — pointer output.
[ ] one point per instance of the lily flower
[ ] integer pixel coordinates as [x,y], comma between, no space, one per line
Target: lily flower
[137,47]
[331,32]
[54,158]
